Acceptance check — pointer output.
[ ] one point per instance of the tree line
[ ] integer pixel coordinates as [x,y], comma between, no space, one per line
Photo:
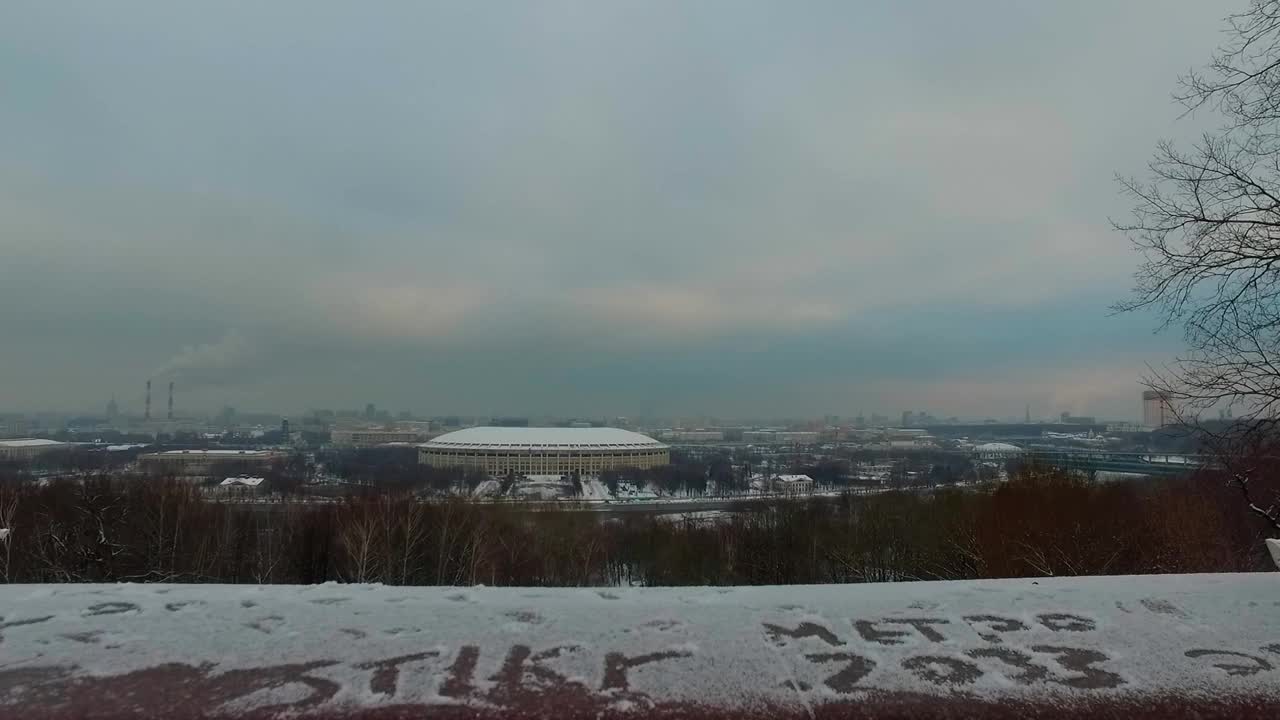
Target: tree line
[111,529]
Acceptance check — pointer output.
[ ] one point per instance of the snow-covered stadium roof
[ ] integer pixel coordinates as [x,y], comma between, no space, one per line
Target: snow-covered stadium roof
[29,442]
[530,437]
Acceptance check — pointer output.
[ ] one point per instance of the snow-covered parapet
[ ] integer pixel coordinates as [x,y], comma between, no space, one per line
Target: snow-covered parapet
[1194,643]
[1274,546]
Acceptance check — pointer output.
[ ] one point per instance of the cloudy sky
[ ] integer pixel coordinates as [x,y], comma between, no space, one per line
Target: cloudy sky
[736,208]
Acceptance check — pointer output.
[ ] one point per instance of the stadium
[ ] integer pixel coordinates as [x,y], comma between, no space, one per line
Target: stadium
[543,451]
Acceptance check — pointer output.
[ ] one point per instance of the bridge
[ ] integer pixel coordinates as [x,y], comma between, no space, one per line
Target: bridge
[1152,464]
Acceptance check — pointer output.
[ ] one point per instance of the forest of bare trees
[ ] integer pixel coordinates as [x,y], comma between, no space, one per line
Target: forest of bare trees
[106,529]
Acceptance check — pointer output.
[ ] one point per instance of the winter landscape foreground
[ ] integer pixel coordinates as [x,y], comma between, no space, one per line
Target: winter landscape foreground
[1138,646]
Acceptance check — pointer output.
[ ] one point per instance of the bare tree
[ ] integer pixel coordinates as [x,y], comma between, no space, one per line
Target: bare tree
[269,547]
[358,536]
[413,527]
[8,511]
[1207,223]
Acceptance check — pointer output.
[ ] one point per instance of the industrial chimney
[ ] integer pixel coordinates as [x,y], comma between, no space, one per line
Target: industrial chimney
[147,411]
[170,399]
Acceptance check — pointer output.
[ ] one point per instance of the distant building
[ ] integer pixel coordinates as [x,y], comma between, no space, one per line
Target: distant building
[13,426]
[694,435]
[906,433]
[241,486]
[208,462]
[24,449]
[1157,412]
[998,451]
[782,437]
[370,438]
[907,438]
[793,484]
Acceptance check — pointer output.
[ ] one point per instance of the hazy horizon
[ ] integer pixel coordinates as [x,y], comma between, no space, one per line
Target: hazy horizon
[591,209]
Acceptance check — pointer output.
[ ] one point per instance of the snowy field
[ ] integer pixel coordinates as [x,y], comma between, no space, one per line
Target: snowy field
[381,651]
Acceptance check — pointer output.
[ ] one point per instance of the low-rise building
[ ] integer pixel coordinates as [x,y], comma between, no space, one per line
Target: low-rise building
[793,484]
[782,437]
[209,462]
[241,486]
[373,437]
[694,435]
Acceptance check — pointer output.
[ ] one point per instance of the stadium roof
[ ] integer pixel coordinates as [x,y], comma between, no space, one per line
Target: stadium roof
[522,437]
[214,453]
[29,442]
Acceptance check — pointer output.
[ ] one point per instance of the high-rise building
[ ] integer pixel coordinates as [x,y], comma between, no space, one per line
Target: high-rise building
[1156,410]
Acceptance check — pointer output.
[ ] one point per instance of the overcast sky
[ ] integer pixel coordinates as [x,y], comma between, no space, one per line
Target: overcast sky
[735,208]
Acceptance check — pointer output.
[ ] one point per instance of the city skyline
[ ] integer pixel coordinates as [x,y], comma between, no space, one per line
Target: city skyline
[116,412]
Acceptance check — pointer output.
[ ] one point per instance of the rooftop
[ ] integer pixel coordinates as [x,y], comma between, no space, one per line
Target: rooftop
[523,437]
[29,442]
[249,453]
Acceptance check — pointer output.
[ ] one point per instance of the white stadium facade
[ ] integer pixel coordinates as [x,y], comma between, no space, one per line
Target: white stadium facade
[544,451]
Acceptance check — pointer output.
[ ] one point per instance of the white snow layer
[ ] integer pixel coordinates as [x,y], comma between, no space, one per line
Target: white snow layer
[594,489]
[782,647]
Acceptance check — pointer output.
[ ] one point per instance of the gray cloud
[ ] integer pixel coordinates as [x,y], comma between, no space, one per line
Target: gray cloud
[215,363]
[581,207]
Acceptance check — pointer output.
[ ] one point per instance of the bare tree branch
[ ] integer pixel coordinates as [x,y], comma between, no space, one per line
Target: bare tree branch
[1207,224]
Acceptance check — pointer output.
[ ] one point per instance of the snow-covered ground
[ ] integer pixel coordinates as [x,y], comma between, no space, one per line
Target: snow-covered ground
[486,488]
[170,650]
[594,489]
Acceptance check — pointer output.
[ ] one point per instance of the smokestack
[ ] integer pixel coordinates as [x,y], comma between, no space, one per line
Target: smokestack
[170,399]
[147,412]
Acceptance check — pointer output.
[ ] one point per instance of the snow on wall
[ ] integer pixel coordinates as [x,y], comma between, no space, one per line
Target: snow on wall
[165,649]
